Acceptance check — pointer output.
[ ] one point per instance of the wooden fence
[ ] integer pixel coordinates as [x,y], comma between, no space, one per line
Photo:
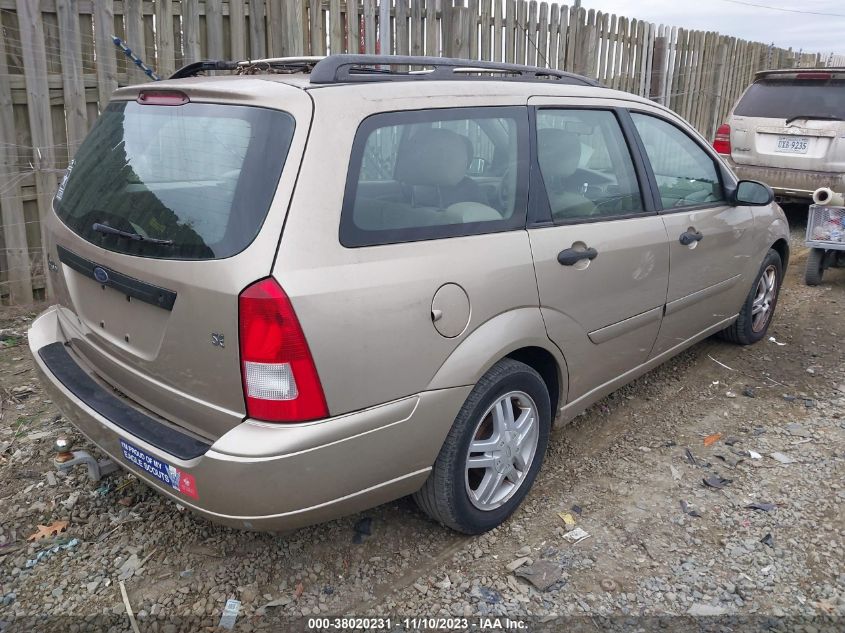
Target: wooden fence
[59,66]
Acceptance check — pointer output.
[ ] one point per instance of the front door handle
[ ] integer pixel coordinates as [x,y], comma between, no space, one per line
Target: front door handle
[688,237]
[570,256]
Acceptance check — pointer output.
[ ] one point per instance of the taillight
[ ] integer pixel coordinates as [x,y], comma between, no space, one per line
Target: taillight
[279,376]
[722,140]
[815,76]
[162,97]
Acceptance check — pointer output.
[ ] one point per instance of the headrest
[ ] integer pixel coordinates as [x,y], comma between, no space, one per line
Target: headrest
[559,152]
[433,157]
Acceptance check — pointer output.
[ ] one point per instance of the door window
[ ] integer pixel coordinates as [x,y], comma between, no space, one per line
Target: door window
[428,174]
[586,166]
[686,174]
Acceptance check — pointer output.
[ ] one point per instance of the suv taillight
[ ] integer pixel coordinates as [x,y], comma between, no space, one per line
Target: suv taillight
[279,376]
[722,140]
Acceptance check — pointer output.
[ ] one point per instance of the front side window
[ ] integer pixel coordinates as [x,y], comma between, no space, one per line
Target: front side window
[686,174]
[435,173]
[586,166]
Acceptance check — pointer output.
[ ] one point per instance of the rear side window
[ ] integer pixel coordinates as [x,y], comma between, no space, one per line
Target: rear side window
[794,99]
[199,176]
[686,175]
[428,174]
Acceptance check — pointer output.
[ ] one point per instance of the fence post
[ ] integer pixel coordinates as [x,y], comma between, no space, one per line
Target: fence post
[384,27]
[11,206]
[658,71]
[257,47]
[165,49]
[590,48]
[213,29]
[717,92]
[292,25]
[73,88]
[369,26]
[104,48]
[191,30]
[40,122]
[459,32]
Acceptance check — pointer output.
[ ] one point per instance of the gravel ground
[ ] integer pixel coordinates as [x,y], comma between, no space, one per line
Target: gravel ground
[629,472]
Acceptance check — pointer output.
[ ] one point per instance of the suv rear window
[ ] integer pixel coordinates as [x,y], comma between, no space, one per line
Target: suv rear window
[789,99]
[201,175]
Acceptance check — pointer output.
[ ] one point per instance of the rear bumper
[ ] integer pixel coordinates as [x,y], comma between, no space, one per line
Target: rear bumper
[258,475]
[790,183]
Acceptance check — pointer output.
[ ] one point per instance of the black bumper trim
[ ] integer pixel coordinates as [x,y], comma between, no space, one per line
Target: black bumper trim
[142,426]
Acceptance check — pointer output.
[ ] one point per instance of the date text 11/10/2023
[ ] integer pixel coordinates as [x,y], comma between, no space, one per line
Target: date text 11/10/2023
[418,624]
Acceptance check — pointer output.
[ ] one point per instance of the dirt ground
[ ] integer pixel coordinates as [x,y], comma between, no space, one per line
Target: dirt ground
[629,472]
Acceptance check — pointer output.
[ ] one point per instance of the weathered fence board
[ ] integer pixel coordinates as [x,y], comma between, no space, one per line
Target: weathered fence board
[40,120]
[14,255]
[59,67]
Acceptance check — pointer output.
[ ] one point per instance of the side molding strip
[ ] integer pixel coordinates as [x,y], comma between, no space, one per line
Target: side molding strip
[603,335]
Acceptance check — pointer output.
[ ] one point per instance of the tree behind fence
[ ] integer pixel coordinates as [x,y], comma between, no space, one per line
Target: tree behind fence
[58,68]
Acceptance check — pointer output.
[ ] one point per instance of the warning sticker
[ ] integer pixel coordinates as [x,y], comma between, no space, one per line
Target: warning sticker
[164,472]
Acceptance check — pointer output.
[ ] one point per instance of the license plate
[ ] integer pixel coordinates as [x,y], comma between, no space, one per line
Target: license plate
[792,144]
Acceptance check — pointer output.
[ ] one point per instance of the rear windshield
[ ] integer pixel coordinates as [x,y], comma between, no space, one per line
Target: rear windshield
[794,99]
[199,176]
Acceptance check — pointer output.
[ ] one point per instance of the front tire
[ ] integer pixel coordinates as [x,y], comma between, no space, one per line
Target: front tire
[753,321]
[815,266]
[492,453]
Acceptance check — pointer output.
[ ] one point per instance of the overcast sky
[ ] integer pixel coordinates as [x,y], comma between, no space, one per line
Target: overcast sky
[813,33]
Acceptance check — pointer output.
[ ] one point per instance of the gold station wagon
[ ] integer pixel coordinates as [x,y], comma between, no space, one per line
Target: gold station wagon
[311,286]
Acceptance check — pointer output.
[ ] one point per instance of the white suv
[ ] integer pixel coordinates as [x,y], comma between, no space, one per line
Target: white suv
[788,130]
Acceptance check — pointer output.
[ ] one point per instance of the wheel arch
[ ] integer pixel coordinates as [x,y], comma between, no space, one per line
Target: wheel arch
[545,364]
[518,334]
[782,247]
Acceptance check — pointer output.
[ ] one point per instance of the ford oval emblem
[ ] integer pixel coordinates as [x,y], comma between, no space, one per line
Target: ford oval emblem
[101,275]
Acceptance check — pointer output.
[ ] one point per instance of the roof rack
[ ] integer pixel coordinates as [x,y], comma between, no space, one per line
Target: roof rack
[249,66]
[190,70]
[792,71]
[335,69]
[353,68]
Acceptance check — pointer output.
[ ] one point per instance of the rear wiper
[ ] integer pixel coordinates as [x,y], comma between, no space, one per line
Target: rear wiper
[105,228]
[817,117]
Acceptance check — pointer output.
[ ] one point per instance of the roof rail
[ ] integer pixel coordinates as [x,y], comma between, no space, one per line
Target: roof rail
[353,68]
[248,66]
[189,70]
[792,71]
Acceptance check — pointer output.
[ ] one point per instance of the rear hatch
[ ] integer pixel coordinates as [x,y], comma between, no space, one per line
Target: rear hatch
[172,205]
[792,120]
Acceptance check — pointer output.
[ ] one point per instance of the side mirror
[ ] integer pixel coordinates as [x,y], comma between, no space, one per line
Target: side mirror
[751,192]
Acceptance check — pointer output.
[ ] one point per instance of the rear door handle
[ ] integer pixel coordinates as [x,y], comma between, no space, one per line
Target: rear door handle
[570,256]
[688,237]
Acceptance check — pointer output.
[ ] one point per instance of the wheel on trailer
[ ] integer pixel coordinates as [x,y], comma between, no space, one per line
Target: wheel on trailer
[815,266]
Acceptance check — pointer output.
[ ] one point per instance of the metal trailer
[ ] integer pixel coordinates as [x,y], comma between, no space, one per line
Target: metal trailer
[826,239]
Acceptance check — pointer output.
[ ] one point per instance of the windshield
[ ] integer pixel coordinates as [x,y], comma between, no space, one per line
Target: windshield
[794,99]
[197,179]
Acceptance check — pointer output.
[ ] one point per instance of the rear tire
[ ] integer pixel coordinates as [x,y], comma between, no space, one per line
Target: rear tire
[510,410]
[815,267]
[762,299]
